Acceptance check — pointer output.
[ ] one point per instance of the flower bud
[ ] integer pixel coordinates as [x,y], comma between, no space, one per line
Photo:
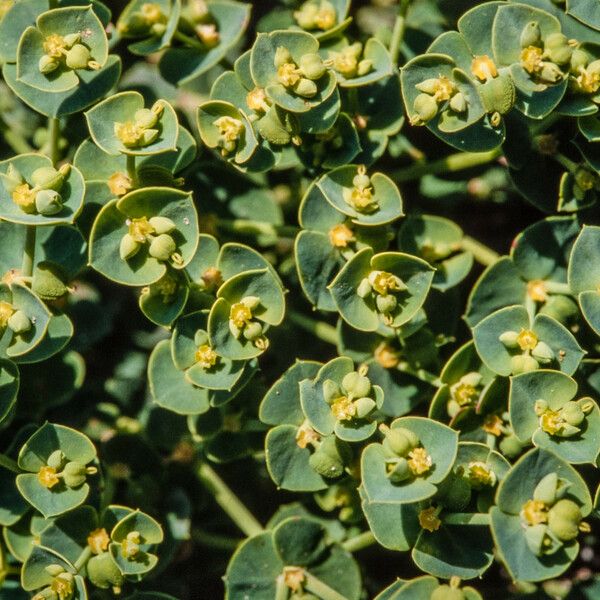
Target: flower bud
[148,136]
[572,413]
[364,66]
[364,288]
[158,29]
[306,88]
[47,178]
[429,86]
[162,246]
[331,390]
[356,385]
[545,490]
[399,440]
[48,281]
[128,247]
[543,353]
[531,35]
[386,304]
[458,102]
[146,118]
[11,179]
[282,56]
[364,407]
[78,57]
[398,470]
[74,474]
[326,462]
[523,363]
[445,592]
[54,570]
[534,537]
[509,339]
[71,39]
[540,407]
[312,66]
[551,73]
[19,322]
[56,459]
[48,202]
[103,572]
[510,446]
[47,64]
[253,331]
[161,224]
[563,520]
[426,107]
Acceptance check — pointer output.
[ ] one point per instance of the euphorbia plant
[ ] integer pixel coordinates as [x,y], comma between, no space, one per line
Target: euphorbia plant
[235,263]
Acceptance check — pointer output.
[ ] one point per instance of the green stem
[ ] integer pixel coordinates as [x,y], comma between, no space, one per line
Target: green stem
[189,41]
[28,251]
[567,163]
[53,139]
[360,541]
[228,501]
[466,519]
[215,540]
[421,374]
[481,253]
[323,331]
[12,570]
[557,287]
[449,164]
[8,463]
[83,558]
[320,588]
[250,227]
[398,32]
[131,170]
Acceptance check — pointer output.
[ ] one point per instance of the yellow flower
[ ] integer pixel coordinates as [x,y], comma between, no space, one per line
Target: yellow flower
[551,422]
[240,315]
[129,133]
[152,13]
[166,287]
[531,59]
[345,62]
[341,235]
[527,339]
[294,578]
[463,393]
[306,435]
[343,409]
[206,357]
[484,68]
[492,424]
[47,477]
[212,278]
[288,74]
[119,183]
[256,99]
[6,312]
[536,290]
[587,82]
[130,546]
[54,45]
[62,586]
[534,512]
[428,519]
[386,356]
[325,17]
[24,197]
[419,462]
[480,475]
[98,540]
[140,228]
[384,282]
[208,34]
[444,89]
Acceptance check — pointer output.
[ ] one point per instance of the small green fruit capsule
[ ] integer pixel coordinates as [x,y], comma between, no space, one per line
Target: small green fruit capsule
[144,117]
[473,378]
[252,331]
[445,592]
[74,474]
[54,570]
[149,136]
[356,385]
[386,304]
[398,470]
[563,520]
[71,39]
[19,322]
[11,179]
[103,572]
[572,413]
[47,178]
[251,302]
[426,107]
[594,67]
[540,406]
[162,247]
[458,103]
[361,181]
[56,459]
[555,40]
[545,490]
[331,390]
[78,57]
[509,339]
[128,247]
[158,29]
[282,56]
[312,66]
[364,407]
[530,364]
[325,464]
[429,86]
[510,446]
[364,66]
[551,73]
[531,35]
[48,202]
[498,94]
[47,64]
[306,88]
[579,59]
[400,440]
[161,224]
[364,288]
[543,353]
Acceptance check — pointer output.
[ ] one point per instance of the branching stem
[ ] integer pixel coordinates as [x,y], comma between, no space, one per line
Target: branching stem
[8,463]
[360,541]
[398,31]
[481,253]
